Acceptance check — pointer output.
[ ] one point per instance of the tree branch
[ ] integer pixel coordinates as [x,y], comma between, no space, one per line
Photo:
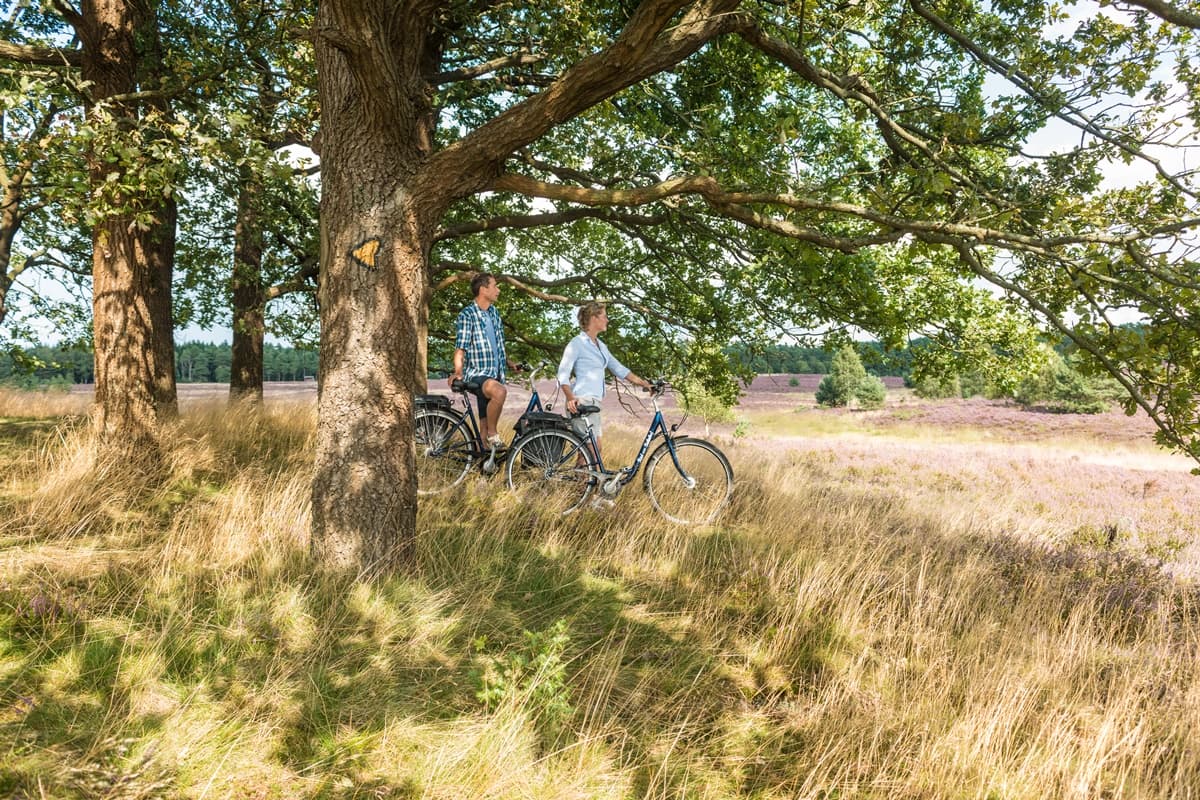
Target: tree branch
[973,262]
[732,204]
[521,59]
[855,88]
[544,220]
[41,56]
[309,270]
[69,13]
[1073,115]
[645,47]
[1168,12]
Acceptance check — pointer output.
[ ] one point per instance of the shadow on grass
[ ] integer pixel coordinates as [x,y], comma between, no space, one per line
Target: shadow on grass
[333,663]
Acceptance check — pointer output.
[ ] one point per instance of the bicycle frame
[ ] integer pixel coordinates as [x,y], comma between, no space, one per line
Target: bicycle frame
[534,404]
[625,475]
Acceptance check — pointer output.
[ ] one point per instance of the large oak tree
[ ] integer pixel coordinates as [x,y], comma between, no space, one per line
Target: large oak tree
[870,154]
[130,204]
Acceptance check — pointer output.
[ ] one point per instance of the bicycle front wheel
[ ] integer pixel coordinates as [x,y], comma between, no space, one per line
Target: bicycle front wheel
[549,469]
[695,491]
[444,451]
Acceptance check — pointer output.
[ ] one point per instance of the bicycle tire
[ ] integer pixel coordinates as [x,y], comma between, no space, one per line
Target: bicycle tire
[445,452]
[669,491]
[543,469]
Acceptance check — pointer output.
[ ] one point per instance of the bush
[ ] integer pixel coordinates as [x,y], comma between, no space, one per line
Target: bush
[37,383]
[1060,388]
[975,383]
[699,402]
[871,392]
[938,387]
[848,380]
[828,395]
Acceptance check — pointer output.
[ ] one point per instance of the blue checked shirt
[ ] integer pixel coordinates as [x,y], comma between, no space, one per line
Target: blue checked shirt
[471,336]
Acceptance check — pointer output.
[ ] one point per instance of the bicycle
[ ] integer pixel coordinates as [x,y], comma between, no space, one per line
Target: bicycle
[558,468]
[450,442]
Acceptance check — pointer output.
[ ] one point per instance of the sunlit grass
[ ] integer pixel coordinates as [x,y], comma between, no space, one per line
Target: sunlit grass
[857,625]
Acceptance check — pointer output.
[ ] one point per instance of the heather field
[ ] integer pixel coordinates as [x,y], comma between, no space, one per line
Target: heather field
[958,599]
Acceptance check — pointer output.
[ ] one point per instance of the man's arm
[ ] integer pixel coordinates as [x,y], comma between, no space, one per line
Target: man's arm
[462,339]
[459,353]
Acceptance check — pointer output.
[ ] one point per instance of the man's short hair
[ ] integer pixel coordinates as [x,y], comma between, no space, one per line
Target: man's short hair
[587,311]
[479,281]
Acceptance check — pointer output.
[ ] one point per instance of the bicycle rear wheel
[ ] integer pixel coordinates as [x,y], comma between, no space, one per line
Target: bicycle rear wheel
[445,452]
[548,469]
[696,495]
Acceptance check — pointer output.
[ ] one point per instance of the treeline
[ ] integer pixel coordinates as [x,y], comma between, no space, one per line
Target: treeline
[195,362]
[794,359]
[201,362]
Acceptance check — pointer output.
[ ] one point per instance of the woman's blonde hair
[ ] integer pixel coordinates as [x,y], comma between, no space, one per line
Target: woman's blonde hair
[587,311]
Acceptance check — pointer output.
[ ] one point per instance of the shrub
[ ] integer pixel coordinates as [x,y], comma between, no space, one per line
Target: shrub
[534,677]
[938,387]
[827,394]
[975,383]
[699,402]
[848,380]
[1060,388]
[871,392]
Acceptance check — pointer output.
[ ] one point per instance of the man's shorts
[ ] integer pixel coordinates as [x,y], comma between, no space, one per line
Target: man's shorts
[593,419]
[479,395]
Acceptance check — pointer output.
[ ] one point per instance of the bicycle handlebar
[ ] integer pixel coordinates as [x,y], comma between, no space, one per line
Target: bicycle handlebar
[658,387]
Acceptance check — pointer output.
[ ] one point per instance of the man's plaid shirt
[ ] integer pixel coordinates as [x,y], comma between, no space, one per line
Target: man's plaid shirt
[471,336]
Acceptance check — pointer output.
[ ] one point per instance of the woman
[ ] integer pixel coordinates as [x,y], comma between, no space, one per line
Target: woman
[588,357]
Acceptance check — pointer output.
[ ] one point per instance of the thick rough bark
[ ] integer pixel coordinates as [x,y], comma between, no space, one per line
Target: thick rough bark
[157,249]
[10,223]
[375,240]
[249,299]
[131,268]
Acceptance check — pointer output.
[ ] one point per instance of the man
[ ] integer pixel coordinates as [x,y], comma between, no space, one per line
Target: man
[479,353]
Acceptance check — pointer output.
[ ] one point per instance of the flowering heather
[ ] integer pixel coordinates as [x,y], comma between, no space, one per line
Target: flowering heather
[1010,421]
[1094,481]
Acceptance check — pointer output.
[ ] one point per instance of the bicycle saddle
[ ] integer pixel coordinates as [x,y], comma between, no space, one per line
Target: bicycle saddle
[460,385]
[583,410]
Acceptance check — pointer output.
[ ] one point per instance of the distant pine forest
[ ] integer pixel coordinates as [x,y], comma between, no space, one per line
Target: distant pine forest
[201,362]
[195,362]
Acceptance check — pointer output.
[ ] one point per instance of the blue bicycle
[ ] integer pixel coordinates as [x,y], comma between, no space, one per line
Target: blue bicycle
[689,481]
[450,442]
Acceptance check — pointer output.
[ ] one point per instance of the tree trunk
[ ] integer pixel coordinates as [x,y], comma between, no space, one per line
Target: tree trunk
[157,248]
[375,240]
[10,222]
[249,300]
[131,267]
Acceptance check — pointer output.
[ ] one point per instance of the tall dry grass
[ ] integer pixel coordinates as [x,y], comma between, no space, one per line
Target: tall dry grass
[830,638]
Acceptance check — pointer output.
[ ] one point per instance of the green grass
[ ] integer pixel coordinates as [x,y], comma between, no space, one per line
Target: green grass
[175,639]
